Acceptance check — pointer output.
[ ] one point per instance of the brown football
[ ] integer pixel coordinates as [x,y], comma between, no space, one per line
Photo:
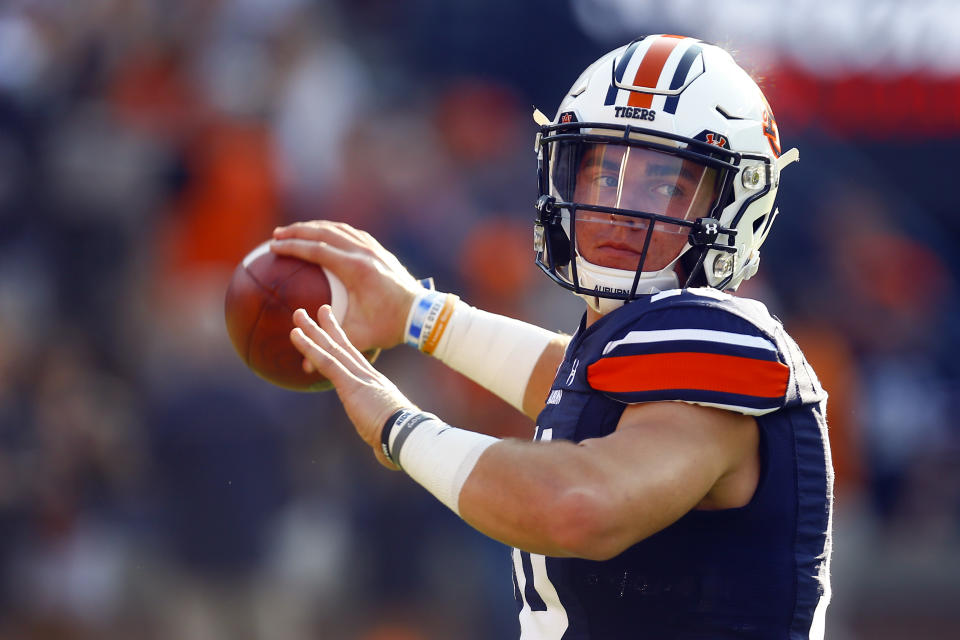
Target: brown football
[265,290]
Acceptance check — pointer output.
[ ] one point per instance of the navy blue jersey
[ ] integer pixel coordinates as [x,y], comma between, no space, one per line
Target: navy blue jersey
[760,571]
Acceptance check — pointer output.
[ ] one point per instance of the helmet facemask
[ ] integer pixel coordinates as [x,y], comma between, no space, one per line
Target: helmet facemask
[623,215]
[683,106]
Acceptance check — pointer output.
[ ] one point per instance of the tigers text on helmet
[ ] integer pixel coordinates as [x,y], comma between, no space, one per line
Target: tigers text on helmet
[660,168]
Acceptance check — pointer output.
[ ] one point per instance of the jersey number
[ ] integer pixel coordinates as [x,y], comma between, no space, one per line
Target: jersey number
[542,615]
[531,595]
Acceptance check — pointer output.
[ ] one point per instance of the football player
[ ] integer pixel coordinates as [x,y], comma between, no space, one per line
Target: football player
[679,483]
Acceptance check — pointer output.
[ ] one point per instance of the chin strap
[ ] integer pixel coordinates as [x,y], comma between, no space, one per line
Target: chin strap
[594,276]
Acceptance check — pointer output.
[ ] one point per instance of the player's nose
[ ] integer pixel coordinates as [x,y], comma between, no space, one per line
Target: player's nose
[629,226]
[636,198]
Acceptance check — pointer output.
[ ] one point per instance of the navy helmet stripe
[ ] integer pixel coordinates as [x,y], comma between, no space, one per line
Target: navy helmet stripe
[621,69]
[680,75]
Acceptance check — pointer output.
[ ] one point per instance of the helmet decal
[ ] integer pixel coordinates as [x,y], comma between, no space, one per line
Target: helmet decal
[680,75]
[613,92]
[650,70]
[771,132]
[714,138]
[655,64]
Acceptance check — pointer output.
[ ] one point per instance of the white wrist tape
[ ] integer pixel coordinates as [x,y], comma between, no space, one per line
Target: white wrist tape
[496,352]
[437,456]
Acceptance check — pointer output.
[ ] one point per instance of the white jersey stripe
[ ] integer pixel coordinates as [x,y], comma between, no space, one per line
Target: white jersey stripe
[669,293]
[700,335]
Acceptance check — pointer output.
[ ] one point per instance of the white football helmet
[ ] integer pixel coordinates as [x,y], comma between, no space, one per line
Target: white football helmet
[660,169]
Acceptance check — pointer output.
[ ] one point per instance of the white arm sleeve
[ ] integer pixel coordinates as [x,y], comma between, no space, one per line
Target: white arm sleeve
[496,352]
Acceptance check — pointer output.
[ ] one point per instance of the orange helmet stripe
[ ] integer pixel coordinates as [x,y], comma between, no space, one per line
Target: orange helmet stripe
[648,73]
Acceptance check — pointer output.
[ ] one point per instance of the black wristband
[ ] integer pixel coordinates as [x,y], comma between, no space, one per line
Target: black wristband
[385,433]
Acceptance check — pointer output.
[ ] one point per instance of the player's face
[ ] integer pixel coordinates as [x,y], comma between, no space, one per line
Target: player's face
[640,180]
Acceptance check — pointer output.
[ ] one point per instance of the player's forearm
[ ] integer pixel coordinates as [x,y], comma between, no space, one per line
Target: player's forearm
[513,359]
[592,499]
[501,354]
[550,498]
[546,498]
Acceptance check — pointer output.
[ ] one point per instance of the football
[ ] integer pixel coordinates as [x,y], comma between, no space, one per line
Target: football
[264,291]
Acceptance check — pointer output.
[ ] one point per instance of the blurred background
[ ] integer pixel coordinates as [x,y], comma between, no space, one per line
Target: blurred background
[152,487]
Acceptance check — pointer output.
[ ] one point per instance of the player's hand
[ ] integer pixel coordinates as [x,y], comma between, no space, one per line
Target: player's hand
[380,289]
[368,396]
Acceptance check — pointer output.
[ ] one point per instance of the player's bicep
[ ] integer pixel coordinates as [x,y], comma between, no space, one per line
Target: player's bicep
[541,379]
[667,458]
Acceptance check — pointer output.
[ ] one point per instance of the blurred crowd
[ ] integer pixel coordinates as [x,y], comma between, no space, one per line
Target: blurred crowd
[152,487]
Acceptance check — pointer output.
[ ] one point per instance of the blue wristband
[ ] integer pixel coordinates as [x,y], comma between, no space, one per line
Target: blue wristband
[425,311]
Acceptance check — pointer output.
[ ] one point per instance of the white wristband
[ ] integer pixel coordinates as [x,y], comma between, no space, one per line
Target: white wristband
[428,318]
[496,352]
[436,455]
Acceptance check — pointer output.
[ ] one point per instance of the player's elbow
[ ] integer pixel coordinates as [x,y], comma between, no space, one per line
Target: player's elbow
[582,525]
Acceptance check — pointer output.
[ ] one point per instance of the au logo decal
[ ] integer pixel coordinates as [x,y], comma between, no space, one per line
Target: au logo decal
[771,132]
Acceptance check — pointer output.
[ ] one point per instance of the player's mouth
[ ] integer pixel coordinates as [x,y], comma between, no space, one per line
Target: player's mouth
[618,255]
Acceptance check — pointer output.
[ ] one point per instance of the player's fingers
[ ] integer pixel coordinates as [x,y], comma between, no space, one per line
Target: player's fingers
[346,355]
[343,236]
[325,363]
[336,259]
[309,230]
[359,235]
[338,234]
[328,323]
[360,245]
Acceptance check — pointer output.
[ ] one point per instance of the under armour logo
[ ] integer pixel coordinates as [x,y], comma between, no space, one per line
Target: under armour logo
[717,140]
[705,232]
[573,372]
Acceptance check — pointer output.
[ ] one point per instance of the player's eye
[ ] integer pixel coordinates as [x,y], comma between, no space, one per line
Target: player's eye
[669,190]
[606,181]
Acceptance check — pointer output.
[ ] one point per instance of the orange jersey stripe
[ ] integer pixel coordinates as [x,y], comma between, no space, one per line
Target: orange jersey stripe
[648,73]
[701,371]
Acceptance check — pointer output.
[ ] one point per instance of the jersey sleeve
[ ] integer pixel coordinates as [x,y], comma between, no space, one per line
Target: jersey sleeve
[698,354]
